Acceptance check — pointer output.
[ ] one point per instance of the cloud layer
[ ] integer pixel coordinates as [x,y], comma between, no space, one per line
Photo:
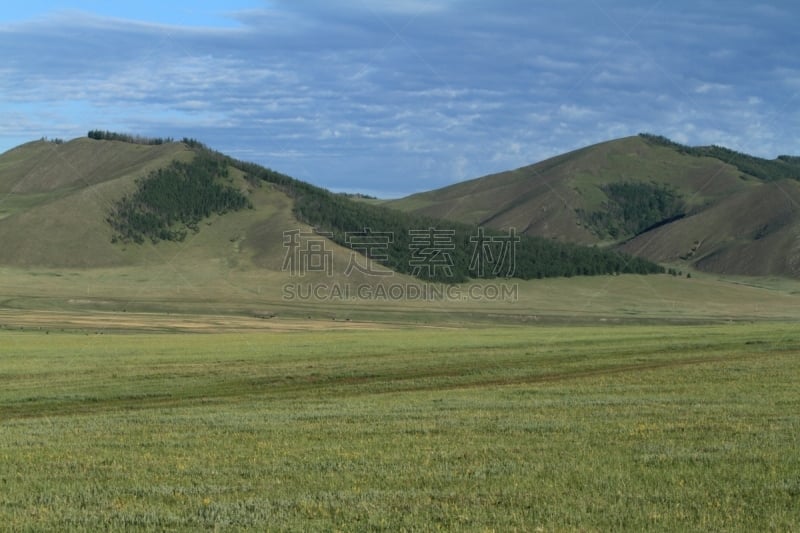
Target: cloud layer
[392,97]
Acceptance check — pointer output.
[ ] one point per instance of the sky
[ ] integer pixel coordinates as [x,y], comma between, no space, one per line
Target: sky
[391,97]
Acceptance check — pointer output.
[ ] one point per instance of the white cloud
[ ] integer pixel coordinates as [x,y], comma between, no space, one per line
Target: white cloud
[574,112]
[407,7]
[704,88]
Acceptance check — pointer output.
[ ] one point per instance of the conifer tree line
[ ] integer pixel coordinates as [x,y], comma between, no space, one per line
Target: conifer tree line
[171,201]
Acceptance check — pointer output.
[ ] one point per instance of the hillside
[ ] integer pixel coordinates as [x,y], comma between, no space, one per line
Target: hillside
[114,201]
[646,196]
[56,200]
[55,197]
[747,233]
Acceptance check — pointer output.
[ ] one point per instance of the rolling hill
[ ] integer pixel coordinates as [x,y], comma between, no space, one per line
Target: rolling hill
[55,200]
[120,201]
[707,208]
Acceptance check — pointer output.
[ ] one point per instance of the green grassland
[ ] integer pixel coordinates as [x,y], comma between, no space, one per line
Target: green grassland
[221,291]
[635,428]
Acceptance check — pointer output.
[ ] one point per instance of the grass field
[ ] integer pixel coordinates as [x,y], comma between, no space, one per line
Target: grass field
[176,297]
[492,428]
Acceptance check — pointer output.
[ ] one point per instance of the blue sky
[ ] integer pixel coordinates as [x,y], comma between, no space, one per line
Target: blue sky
[392,97]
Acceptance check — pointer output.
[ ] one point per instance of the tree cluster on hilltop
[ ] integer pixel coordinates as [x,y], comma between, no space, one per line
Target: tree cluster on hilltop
[102,135]
[783,167]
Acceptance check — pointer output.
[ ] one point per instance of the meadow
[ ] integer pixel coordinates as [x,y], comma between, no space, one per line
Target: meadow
[490,428]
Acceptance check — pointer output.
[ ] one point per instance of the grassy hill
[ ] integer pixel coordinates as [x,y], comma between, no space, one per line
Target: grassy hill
[753,232]
[55,198]
[93,203]
[742,210]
